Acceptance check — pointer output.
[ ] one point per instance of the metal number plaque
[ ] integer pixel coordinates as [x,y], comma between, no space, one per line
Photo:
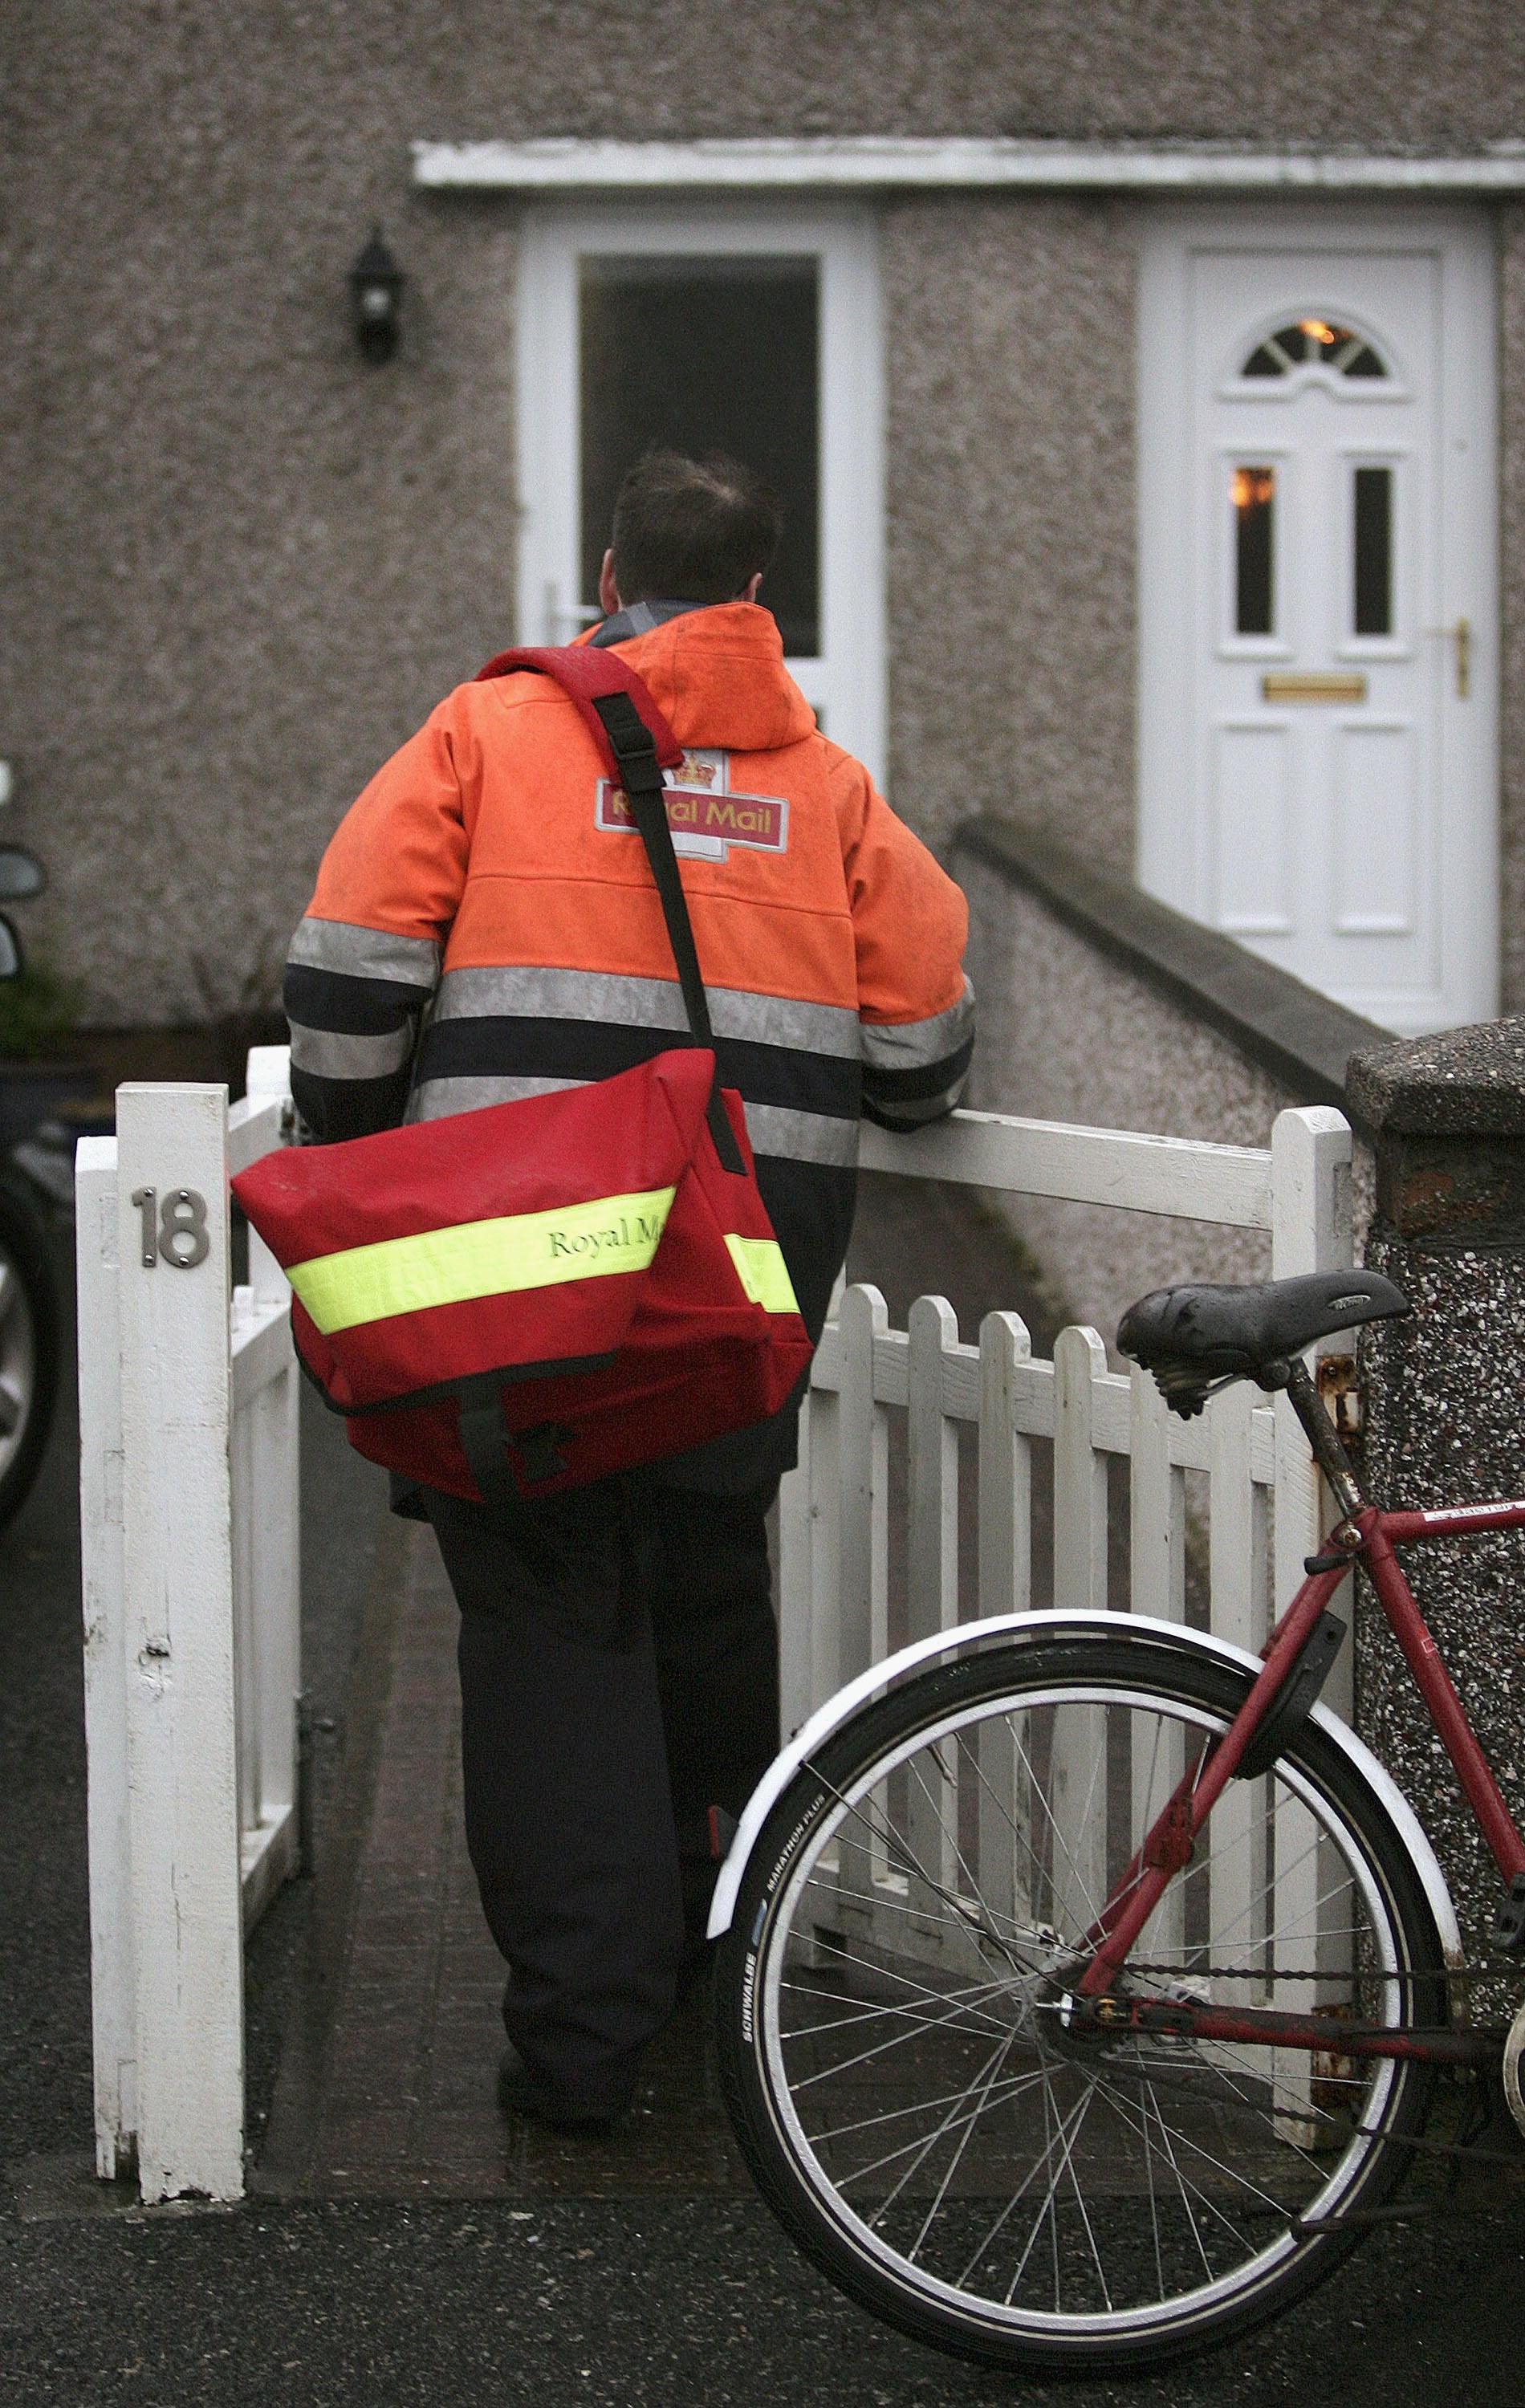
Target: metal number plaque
[176,1233]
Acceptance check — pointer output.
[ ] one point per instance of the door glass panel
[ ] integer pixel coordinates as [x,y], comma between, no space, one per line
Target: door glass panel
[1312,342]
[1373,537]
[707,354]
[1254,494]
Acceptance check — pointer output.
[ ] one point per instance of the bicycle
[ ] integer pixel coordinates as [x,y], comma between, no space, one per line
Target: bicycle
[1080,1998]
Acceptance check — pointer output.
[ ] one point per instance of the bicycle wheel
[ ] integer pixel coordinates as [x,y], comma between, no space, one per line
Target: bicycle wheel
[892,2032]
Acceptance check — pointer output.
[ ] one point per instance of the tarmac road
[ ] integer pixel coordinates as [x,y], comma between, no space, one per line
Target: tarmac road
[673,2301]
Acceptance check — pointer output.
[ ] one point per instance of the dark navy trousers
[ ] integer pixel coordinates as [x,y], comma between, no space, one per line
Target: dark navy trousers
[619,1679]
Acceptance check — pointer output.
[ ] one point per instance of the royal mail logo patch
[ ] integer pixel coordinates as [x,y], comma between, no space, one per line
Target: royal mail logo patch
[705,816]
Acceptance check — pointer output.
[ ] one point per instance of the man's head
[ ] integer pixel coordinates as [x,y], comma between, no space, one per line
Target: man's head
[689,531]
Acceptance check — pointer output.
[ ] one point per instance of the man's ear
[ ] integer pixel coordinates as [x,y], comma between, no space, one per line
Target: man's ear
[749,591]
[609,593]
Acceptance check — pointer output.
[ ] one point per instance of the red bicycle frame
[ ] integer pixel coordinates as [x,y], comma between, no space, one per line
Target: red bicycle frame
[1368,1537]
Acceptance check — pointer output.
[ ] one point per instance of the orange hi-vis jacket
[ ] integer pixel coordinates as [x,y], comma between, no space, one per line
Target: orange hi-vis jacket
[489,888]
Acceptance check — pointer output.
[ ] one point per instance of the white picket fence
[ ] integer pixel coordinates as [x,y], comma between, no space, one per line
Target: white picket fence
[187,1506]
[835,1541]
[1256,1499]
[189,1519]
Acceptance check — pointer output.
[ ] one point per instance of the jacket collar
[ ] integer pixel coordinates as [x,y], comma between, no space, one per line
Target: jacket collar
[639,619]
[717,673]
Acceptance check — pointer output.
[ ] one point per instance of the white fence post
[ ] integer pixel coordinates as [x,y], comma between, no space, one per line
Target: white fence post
[1080,1473]
[863,1455]
[1156,1506]
[797,1586]
[182,1734]
[1310,1231]
[188,1505]
[113,1974]
[1079,1768]
[267,1558]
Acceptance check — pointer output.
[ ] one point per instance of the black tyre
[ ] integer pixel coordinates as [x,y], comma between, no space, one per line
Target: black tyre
[29,1343]
[891,2023]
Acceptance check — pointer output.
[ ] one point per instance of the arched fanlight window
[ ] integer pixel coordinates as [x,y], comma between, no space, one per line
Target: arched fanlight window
[1314,343]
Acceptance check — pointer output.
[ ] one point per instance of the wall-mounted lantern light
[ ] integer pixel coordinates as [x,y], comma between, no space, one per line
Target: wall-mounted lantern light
[376,284]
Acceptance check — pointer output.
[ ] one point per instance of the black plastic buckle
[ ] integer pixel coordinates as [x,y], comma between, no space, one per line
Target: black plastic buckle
[632,741]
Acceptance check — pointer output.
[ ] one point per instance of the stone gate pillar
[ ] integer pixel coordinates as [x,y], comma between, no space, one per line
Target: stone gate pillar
[1444,1414]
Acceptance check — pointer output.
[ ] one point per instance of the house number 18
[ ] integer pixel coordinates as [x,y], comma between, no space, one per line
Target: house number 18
[176,1231]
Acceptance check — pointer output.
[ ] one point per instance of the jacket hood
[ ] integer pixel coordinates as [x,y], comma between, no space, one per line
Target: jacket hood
[718,675]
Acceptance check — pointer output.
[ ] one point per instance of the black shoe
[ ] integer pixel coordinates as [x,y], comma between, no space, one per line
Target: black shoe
[519,2094]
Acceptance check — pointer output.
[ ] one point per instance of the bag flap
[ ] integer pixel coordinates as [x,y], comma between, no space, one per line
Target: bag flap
[619,1137]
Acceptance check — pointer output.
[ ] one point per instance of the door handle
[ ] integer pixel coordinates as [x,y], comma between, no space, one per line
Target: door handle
[1462,636]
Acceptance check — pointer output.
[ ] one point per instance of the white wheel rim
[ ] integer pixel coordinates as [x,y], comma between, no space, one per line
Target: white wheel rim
[1031,2322]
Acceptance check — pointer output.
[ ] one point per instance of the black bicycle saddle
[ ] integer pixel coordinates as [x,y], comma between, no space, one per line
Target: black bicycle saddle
[1195,1337]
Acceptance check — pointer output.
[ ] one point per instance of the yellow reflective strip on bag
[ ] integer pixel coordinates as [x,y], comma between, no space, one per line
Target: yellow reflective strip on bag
[524,1250]
[761,1268]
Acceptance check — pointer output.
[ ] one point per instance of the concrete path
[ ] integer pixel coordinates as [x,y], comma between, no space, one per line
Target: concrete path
[387,2081]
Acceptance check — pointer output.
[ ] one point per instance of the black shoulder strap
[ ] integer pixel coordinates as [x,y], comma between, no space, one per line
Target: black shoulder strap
[606,691]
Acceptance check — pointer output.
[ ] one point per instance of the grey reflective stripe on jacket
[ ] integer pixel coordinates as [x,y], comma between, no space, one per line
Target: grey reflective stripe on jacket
[497,1034]
[913,1071]
[550,993]
[355,952]
[354,997]
[328,1054]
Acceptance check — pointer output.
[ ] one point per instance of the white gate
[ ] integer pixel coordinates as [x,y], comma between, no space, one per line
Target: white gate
[188,1505]
[189,1520]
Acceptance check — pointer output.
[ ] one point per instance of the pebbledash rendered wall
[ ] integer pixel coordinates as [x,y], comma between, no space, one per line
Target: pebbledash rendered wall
[1099,1005]
[239,565]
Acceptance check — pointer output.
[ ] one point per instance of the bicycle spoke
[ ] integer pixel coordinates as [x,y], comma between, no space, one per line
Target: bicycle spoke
[1063,2139]
[1013,2088]
[925,2148]
[927,2024]
[895,1846]
[953,2001]
[1053,1825]
[1218,2164]
[959,1853]
[961,2280]
[991,2070]
[1018,1936]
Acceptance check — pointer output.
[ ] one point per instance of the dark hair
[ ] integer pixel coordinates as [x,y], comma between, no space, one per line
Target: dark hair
[692,530]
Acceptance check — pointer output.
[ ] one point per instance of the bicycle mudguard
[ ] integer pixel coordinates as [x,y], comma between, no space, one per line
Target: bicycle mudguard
[1086,1624]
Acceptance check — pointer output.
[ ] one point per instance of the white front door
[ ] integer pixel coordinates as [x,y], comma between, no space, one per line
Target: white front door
[752,332]
[1319,599]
